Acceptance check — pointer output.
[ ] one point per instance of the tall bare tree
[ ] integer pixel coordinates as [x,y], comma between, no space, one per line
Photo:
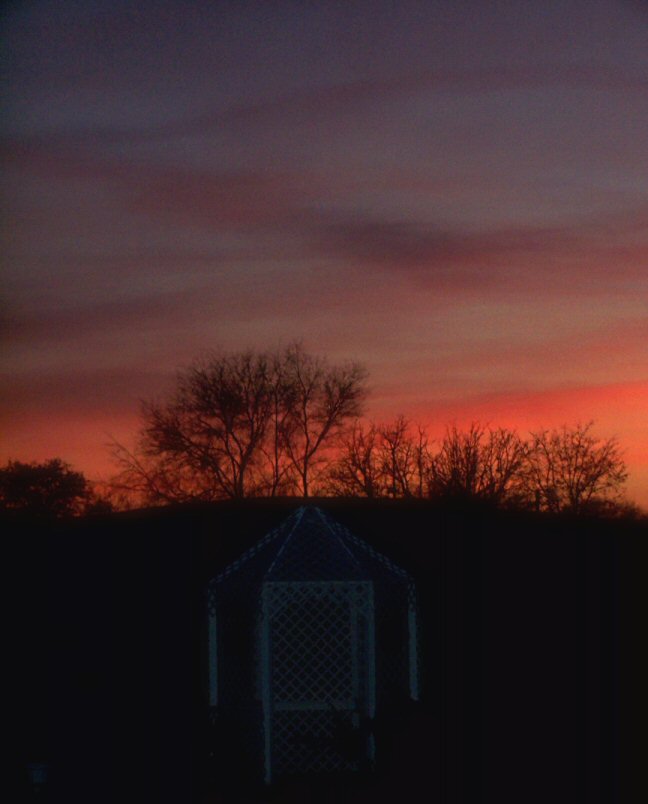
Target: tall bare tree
[276,474]
[323,400]
[204,442]
[240,424]
[571,469]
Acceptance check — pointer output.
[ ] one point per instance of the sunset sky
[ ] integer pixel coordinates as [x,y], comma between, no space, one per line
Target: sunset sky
[454,193]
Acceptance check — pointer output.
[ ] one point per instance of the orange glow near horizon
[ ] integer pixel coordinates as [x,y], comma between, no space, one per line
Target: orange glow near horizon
[617,410]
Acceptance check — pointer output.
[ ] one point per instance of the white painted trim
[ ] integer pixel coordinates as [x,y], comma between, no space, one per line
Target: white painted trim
[412,634]
[371,667]
[266,683]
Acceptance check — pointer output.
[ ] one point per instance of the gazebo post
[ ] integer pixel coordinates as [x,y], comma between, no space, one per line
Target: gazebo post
[371,669]
[412,636]
[266,683]
[212,650]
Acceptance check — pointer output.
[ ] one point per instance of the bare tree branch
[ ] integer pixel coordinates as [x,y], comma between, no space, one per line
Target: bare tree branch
[570,469]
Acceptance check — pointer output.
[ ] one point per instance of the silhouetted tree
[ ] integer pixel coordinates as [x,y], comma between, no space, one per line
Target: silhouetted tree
[480,463]
[238,425]
[204,443]
[571,469]
[357,472]
[266,423]
[277,473]
[385,460]
[423,460]
[51,489]
[322,400]
[405,459]
[155,479]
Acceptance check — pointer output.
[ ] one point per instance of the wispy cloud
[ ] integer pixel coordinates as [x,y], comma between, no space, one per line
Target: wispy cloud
[332,100]
[515,259]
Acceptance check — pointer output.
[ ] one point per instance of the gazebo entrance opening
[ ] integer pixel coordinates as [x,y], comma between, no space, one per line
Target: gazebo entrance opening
[318,675]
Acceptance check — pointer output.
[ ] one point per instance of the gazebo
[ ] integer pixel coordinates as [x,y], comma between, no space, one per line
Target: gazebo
[311,633]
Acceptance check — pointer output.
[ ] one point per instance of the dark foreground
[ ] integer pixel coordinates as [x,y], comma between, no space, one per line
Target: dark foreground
[531,635]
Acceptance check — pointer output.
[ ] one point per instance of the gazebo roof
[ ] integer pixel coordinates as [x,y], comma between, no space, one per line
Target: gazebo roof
[314,551]
[310,546]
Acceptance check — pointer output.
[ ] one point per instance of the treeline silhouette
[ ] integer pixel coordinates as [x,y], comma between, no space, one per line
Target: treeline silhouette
[286,422]
[289,423]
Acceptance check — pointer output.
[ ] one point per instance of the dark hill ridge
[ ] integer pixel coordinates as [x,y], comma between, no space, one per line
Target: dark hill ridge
[524,627]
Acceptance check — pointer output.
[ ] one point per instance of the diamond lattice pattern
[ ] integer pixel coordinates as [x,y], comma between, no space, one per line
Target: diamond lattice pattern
[320,669]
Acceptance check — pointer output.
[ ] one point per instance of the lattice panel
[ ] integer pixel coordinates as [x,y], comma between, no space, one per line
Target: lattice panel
[312,645]
[321,666]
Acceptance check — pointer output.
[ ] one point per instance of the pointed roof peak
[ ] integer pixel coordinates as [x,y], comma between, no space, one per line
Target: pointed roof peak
[314,550]
[309,545]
